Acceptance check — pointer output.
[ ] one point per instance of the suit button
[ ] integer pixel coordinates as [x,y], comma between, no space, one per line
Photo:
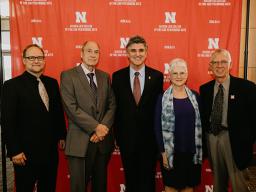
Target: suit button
[97,112]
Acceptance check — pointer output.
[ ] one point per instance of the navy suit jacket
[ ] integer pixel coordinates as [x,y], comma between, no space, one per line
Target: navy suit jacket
[241,116]
[134,124]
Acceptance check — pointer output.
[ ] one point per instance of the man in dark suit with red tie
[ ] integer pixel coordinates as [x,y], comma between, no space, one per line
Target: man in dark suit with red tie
[229,120]
[33,124]
[136,89]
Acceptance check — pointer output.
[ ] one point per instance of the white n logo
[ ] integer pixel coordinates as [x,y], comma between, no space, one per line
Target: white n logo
[81,17]
[122,188]
[213,43]
[38,41]
[123,42]
[170,17]
[166,68]
[208,188]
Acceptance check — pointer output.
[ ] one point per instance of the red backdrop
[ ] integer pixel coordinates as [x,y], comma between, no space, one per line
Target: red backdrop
[173,28]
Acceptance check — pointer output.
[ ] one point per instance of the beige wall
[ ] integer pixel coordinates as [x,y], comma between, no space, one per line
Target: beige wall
[251,74]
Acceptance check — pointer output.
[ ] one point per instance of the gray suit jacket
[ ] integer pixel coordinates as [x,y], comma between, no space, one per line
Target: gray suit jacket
[83,113]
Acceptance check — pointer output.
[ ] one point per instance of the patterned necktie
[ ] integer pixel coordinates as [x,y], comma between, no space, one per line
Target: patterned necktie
[216,115]
[92,84]
[136,87]
[43,93]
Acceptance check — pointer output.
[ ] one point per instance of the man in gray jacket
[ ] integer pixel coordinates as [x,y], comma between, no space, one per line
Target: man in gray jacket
[90,106]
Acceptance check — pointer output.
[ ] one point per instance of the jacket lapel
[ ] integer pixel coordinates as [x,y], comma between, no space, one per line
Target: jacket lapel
[231,97]
[147,83]
[85,83]
[209,96]
[100,88]
[127,85]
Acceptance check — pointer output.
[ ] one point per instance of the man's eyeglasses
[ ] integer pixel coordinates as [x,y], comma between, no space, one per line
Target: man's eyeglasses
[33,58]
[222,62]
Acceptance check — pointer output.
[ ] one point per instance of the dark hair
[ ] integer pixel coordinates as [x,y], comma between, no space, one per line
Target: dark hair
[28,47]
[135,40]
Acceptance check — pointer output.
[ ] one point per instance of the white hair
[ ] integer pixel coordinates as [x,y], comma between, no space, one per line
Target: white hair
[178,62]
[221,51]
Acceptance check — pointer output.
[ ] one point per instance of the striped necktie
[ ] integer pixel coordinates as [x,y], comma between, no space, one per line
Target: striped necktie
[43,93]
[92,84]
[217,109]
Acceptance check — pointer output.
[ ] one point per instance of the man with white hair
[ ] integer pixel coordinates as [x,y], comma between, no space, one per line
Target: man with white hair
[228,106]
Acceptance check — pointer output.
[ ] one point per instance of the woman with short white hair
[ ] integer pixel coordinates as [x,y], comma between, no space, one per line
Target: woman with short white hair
[179,132]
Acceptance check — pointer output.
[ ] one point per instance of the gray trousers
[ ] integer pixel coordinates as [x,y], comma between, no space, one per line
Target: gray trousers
[92,168]
[223,165]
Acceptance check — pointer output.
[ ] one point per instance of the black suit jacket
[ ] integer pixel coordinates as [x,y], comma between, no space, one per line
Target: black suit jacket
[27,125]
[134,124]
[241,116]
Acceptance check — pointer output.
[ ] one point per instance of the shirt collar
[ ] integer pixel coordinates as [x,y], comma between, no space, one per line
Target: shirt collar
[31,76]
[141,71]
[86,71]
[225,84]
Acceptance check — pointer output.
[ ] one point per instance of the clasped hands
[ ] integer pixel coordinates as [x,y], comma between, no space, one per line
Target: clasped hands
[100,132]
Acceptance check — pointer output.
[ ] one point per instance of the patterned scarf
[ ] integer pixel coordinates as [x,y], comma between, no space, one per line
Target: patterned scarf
[168,125]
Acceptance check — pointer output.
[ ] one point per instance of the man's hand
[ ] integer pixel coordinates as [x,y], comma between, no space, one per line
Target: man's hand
[19,159]
[62,144]
[101,130]
[95,139]
[165,160]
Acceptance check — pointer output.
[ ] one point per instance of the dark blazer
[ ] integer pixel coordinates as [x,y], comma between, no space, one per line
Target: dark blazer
[241,116]
[27,125]
[134,125]
[84,114]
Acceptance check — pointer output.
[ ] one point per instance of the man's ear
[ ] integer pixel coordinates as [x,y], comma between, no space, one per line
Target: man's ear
[230,65]
[23,60]
[81,55]
[210,68]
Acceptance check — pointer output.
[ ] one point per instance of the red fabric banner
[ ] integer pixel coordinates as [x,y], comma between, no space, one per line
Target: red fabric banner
[173,28]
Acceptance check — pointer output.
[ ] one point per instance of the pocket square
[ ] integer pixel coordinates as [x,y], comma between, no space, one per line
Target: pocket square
[232,96]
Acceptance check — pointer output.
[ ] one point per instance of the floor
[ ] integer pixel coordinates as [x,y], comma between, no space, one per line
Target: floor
[10,180]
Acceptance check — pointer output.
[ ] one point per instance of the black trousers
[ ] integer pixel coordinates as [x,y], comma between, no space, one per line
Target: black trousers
[41,175]
[139,169]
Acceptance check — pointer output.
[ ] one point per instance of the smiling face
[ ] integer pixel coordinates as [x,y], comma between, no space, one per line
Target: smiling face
[178,75]
[137,54]
[220,65]
[90,54]
[34,61]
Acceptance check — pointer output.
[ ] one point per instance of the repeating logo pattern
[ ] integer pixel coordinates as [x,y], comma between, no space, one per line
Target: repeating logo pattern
[191,30]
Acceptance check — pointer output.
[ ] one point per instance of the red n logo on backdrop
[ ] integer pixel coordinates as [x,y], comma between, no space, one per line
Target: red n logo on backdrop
[176,28]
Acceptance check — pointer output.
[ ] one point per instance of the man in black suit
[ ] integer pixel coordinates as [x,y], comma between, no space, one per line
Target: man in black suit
[33,124]
[228,106]
[136,89]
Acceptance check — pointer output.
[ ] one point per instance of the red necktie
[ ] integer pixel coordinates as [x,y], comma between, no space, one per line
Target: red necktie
[136,87]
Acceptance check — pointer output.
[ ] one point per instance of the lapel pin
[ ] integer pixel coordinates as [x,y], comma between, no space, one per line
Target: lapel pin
[232,96]
[149,77]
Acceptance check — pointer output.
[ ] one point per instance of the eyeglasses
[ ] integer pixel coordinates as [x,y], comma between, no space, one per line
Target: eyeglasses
[181,74]
[33,58]
[222,62]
